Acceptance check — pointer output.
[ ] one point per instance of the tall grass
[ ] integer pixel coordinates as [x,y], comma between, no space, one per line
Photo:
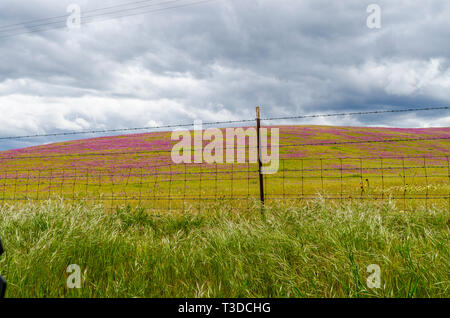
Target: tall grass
[296,250]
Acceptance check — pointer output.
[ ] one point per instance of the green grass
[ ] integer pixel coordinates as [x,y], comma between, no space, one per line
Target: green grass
[296,250]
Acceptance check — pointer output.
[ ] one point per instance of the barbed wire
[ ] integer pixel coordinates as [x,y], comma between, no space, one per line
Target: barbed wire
[158,151]
[119,183]
[169,126]
[358,113]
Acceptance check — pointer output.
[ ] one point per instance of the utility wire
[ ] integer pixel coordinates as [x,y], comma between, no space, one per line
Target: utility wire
[26,23]
[113,18]
[85,17]
[358,113]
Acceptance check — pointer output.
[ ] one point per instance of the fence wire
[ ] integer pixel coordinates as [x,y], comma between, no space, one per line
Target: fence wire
[408,181]
[139,176]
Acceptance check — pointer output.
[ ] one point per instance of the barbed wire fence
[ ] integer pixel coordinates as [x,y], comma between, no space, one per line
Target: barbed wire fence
[147,178]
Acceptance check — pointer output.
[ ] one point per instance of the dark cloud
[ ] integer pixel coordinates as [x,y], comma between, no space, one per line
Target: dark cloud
[217,61]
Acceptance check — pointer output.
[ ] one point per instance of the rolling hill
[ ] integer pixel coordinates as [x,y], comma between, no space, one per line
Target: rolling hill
[336,162]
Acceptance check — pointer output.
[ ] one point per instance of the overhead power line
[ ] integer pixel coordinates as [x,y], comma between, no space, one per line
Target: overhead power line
[119,16]
[27,23]
[85,17]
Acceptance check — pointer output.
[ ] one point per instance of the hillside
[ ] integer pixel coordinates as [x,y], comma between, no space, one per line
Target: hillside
[336,162]
[85,153]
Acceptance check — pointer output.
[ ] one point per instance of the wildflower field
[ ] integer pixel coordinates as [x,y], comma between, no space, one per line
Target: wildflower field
[339,163]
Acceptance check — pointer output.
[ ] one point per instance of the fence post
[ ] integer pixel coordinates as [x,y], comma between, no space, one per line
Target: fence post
[2,280]
[261,182]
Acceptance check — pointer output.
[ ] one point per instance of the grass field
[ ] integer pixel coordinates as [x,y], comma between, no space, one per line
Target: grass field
[296,250]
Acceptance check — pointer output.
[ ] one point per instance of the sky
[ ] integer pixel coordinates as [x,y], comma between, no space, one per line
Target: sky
[216,61]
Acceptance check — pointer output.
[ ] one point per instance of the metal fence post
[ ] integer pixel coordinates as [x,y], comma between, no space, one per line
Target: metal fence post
[261,182]
[2,280]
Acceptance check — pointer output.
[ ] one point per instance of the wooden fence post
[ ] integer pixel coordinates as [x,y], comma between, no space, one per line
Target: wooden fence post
[261,181]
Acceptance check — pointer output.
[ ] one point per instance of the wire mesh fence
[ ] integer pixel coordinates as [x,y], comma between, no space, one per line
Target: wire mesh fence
[407,180]
[315,162]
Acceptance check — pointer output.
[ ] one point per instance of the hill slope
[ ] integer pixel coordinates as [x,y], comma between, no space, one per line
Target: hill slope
[336,162]
[91,152]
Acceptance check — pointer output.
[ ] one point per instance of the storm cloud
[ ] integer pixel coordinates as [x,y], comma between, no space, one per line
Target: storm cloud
[218,60]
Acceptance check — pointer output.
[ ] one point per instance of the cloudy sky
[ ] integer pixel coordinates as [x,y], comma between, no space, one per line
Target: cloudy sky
[216,61]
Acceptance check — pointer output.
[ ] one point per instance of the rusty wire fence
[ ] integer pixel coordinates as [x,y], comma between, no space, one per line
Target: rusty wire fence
[409,181]
[149,178]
